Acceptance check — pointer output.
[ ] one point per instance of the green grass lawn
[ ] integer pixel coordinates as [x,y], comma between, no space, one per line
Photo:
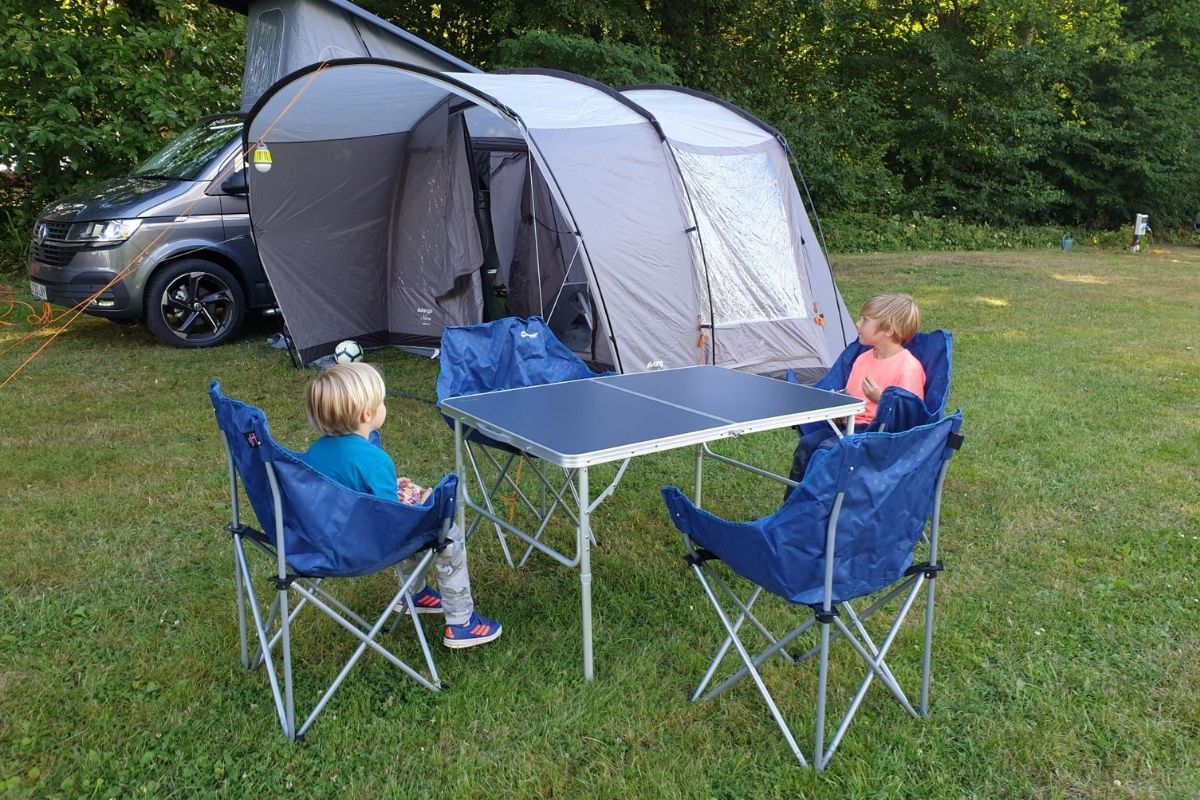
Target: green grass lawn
[1067,648]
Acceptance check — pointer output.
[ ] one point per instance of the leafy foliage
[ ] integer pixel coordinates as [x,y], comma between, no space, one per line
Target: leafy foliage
[1009,112]
[849,232]
[89,89]
[996,113]
[613,63]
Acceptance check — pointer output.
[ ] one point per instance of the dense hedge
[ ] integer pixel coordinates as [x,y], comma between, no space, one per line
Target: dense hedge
[89,89]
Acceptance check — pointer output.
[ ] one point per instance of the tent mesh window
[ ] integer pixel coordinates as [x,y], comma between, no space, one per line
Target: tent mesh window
[748,247]
[262,52]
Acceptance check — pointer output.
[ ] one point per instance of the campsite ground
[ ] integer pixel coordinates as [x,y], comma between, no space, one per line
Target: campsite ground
[1068,616]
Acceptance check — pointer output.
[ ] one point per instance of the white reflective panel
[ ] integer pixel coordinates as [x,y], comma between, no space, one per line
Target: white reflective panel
[484,123]
[743,224]
[264,46]
[546,102]
[687,119]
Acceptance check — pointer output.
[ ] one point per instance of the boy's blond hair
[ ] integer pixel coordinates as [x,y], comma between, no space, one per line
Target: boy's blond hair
[340,394]
[896,311]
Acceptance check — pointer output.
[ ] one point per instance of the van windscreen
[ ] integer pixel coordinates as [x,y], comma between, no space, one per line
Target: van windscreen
[191,151]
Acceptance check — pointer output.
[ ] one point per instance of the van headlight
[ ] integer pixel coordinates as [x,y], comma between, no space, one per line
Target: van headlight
[109,231]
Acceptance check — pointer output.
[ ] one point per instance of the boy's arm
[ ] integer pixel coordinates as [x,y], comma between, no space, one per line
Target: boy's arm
[913,379]
[379,474]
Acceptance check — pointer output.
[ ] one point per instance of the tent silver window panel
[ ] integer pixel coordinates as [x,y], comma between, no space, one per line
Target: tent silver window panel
[263,50]
[747,244]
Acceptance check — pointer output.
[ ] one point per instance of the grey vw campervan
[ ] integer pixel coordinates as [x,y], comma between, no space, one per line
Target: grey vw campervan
[168,244]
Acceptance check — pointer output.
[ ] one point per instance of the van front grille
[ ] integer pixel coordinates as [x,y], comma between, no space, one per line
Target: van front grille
[49,243]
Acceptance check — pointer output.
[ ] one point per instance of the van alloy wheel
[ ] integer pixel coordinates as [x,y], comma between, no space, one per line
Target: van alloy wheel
[194,303]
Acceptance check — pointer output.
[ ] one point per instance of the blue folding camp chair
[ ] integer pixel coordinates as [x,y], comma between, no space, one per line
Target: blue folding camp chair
[508,353]
[848,532]
[316,529]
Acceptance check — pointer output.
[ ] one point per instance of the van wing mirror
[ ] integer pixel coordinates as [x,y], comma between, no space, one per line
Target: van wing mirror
[235,183]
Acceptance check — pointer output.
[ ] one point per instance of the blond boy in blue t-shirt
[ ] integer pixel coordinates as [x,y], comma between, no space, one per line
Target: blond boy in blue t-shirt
[346,404]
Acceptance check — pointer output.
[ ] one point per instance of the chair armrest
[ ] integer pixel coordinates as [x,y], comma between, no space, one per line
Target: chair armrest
[748,548]
[900,410]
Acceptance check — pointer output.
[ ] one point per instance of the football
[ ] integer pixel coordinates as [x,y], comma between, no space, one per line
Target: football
[347,352]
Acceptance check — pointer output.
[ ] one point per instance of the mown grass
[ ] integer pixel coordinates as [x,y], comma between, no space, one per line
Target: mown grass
[1068,619]
[857,232]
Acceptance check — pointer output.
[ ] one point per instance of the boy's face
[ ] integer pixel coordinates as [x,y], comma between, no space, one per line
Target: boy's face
[872,333]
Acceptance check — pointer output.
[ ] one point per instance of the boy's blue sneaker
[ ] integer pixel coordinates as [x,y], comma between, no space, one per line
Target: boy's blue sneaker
[477,630]
[426,601]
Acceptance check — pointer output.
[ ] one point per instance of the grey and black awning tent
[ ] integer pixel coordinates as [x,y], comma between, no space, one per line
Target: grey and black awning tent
[665,223]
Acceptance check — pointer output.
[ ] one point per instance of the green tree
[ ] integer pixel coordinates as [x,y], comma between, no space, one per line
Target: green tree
[1010,111]
[89,89]
[1001,111]
[615,34]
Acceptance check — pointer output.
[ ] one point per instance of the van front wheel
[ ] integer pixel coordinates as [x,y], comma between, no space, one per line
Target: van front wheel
[194,303]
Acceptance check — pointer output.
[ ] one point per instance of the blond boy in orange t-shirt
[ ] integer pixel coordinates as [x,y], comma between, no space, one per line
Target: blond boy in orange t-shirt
[885,324]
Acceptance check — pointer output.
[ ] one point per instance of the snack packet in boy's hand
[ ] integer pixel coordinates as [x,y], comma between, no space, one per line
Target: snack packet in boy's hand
[410,493]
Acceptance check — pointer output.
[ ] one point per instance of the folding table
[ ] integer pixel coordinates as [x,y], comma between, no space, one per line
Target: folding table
[578,424]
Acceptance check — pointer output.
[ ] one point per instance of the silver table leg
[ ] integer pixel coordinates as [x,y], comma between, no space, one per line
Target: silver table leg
[460,505]
[585,571]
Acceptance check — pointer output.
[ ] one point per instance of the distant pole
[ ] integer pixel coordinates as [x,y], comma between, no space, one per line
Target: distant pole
[1141,226]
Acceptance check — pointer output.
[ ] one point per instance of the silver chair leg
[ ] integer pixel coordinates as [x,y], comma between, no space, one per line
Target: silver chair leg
[927,654]
[263,639]
[239,587]
[745,656]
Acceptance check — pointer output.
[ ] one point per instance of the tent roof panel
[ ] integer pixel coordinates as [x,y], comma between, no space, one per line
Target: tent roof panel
[687,118]
[372,23]
[344,101]
[548,102]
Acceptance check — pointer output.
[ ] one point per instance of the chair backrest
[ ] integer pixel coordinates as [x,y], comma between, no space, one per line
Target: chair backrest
[935,351]
[328,529]
[888,483]
[508,353]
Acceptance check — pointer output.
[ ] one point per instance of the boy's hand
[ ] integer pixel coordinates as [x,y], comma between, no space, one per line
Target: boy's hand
[870,389]
[425,494]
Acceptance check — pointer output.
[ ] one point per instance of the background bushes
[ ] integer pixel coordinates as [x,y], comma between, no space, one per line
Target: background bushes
[966,124]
